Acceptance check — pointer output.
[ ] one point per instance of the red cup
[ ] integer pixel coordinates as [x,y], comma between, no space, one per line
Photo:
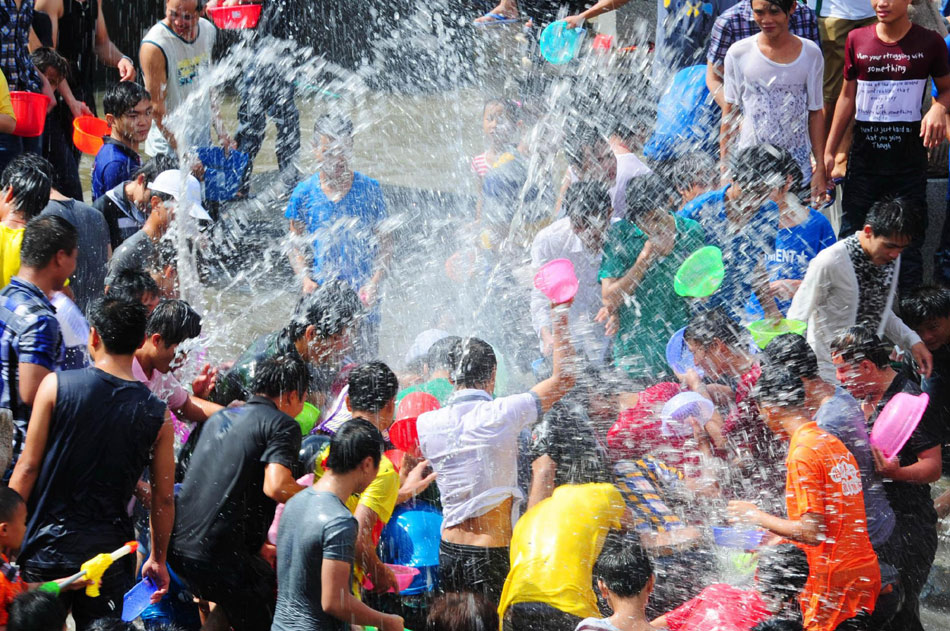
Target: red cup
[29,109]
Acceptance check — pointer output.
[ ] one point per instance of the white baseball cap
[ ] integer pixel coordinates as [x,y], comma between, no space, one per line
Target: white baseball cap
[423,342]
[170,183]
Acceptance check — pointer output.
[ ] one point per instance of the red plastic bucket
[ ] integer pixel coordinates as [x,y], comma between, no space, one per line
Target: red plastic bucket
[88,132]
[29,109]
[237,17]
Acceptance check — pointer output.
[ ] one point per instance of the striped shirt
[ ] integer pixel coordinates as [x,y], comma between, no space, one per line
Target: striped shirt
[643,483]
[737,23]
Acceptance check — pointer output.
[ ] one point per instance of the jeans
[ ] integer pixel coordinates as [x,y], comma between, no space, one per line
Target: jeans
[11,146]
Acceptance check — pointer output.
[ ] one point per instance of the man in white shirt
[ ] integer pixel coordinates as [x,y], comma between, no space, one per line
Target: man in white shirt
[472,445]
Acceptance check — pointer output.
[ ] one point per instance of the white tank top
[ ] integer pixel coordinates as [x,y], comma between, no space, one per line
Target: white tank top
[186,65]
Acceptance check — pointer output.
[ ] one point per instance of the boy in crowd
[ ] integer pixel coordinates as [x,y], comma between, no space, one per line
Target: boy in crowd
[137,286]
[12,528]
[625,579]
[863,365]
[436,366]
[128,110]
[126,205]
[25,186]
[855,281]
[317,539]
[36,611]
[242,467]
[888,155]
[823,503]
[81,462]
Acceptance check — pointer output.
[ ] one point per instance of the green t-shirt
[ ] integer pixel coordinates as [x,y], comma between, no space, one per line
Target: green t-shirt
[654,312]
[440,388]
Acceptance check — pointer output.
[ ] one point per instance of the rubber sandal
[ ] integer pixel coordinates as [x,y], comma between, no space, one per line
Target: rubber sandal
[497,18]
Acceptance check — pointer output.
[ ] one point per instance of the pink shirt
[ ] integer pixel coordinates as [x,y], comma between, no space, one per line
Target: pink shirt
[163,385]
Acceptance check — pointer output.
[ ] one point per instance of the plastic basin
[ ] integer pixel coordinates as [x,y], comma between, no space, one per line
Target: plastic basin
[560,44]
[701,273]
[764,331]
[237,17]
[137,599]
[897,421]
[739,538]
[308,418]
[556,280]
[411,538]
[29,109]
[88,132]
[678,355]
[677,411]
[404,435]
[223,172]
[404,576]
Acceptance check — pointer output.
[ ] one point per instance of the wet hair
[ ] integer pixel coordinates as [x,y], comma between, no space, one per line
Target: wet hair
[784,5]
[587,203]
[782,571]
[10,501]
[36,610]
[356,440]
[372,386]
[715,324]
[696,168]
[335,126]
[44,238]
[925,303]
[175,321]
[281,374]
[439,356]
[787,165]
[330,309]
[758,165]
[581,137]
[646,194]
[133,284]
[792,352]
[112,624]
[473,363]
[31,178]
[122,97]
[895,217]
[779,624]
[45,58]
[779,386]
[120,322]
[858,343]
[623,566]
[465,611]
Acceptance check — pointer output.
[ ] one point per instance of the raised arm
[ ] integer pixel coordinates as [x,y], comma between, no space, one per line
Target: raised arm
[561,380]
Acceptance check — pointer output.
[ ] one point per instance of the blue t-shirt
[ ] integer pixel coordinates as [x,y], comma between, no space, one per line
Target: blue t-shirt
[115,163]
[344,232]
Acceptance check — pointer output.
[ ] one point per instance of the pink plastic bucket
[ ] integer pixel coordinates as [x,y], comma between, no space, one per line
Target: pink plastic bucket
[897,421]
[404,576]
[557,280]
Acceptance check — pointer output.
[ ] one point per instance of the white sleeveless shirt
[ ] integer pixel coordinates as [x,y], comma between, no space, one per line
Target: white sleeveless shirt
[187,97]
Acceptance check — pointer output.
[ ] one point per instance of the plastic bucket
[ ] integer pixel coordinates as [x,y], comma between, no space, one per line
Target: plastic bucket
[556,280]
[678,355]
[411,538]
[415,404]
[739,538]
[404,577]
[308,418]
[223,172]
[764,331]
[677,411]
[138,599]
[701,273]
[237,17]
[29,109]
[404,435]
[897,421]
[88,132]
[560,44]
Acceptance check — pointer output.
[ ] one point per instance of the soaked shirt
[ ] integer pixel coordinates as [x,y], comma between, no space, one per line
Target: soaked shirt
[874,283]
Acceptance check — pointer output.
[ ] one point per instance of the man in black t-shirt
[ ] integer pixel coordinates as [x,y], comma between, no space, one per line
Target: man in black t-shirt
[240,470]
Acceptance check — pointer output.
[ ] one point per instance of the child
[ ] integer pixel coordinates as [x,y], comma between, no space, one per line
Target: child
[36,611]
[625,579]
[128,108]
[12,528]
[461,612]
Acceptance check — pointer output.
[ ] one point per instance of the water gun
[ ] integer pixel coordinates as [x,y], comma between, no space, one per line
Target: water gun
[93,569]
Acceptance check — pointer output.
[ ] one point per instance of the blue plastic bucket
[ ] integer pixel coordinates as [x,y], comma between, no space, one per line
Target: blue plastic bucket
[222,172]
[411,538]
[560,44]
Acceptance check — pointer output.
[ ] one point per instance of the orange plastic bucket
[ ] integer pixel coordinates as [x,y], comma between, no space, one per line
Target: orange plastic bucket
[236,17]
[29,109]
[88,132]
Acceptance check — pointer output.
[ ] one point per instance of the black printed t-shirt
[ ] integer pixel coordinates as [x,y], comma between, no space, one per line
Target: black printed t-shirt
[891,80]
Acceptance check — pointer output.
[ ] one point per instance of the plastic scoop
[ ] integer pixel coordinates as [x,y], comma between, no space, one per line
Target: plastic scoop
[678,355]
[137,599]
[897,421]
[764,331]
[740,538]
[560,44]
[677,411]
[701,273]
[404,576]
[88,132]
[556,280]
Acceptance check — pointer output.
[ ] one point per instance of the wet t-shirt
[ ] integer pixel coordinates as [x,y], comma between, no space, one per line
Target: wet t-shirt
[566,435]
[874,284]
[891,81]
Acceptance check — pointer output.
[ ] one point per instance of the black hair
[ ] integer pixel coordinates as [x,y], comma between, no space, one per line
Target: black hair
[153,167]
[119,321]
[121,98]
[473,363]
[36,610]
[696,168]
[281,374]
[175,321]
[335,126]
[133,284]
[465,611]
[858,343]
[787,165]
[439,355]
[782,571]
[356,440]
[784,5]
[715,324]
[587,204]
[44,238]
[645,194]
[45,58]
[623,566]
[372,386]
[112,624]
[10,500]
[792,352]
[779,623]
[330,309]
[895,217]
[925,303]
[779,386]
[30,177]
[581,137]
[758,165]
[512,108]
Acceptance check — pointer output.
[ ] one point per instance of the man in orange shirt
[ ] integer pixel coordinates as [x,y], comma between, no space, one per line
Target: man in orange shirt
[825,509]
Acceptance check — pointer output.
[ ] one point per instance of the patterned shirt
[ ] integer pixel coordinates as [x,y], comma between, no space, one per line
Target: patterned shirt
[642,483]
[874,283]
[15,60]
[737,23]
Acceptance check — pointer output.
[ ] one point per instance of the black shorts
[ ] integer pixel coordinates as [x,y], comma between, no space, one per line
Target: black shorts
[473,569]
[538,617]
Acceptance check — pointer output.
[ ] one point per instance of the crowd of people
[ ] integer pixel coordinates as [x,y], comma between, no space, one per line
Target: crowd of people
[257,495]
